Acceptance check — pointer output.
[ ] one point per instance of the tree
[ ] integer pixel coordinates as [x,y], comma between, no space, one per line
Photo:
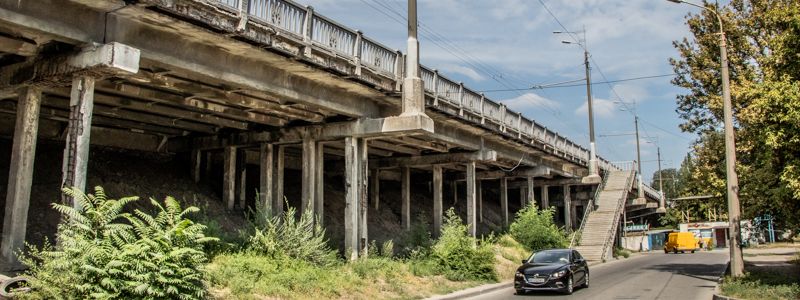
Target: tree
[764,41]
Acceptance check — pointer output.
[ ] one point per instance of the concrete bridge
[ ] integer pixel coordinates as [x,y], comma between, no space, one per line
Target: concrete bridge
[269,83]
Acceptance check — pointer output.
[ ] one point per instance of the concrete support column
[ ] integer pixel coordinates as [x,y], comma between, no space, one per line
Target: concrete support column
[504,199]
[241,167]
[363,198]
[471,222]
[405,187]
[309,175]
[319,184]
[277,176]
[197,162]
[355,214]
[229,177]
[567,208]
[455,192]
[437,200]
[265,192]
[376,188]
[76,152]
[479,199]
[531,196]
[20,176]
[545,197]
[523,195]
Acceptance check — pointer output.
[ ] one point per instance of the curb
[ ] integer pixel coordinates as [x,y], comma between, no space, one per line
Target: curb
[717,292]
[475,291]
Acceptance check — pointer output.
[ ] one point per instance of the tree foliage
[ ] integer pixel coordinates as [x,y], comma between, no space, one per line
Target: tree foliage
[105,253]
[534,229]
[764,52]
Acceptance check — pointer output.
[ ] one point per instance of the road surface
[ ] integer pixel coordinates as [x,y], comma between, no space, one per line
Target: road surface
[648,276]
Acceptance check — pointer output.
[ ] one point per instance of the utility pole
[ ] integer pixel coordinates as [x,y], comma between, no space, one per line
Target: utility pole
[661,205]
[594,172]
[640,188]
[734,227]
[413,93]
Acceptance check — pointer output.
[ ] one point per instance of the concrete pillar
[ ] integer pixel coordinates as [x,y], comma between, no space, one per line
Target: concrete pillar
[197,162]
[504,199]
[376,188]
[355,213]
[76,152]
[567,208]
[405,186]
[531,197]
[265,178]
[209,160]
[471,222]
[309,174]
[277,176]
[455,192]
[319,184]
[523,195]
[241,167]
[229,177]
[363,204]
[545,197]
[20,176]
[437,200]
[479,196]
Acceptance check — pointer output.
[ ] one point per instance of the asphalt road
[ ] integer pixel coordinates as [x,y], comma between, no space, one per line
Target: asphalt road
[648,276]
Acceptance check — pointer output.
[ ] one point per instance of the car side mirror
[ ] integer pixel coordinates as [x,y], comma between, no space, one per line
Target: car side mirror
[524,261]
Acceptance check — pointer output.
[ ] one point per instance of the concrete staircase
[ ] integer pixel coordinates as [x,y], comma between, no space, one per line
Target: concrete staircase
[597,236]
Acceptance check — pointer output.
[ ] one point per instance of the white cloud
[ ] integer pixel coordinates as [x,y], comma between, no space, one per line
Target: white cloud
[630,92]
[528,102]
[602,108]
[469,72]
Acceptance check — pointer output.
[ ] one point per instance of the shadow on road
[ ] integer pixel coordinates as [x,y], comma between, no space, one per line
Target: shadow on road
[708,272]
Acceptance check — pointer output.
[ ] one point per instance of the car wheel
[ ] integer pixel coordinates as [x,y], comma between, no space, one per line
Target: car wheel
[586,281]
[675,251]
[683,251]
[666,251]
[570,286]
[692,251]
[520,292]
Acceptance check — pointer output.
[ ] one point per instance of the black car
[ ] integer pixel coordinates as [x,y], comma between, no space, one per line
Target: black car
[552,270]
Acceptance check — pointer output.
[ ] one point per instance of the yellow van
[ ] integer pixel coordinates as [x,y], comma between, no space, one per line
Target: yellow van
[681,241]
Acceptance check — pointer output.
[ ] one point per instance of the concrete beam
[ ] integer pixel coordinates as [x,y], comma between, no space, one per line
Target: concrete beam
[17,46]
[20,177]
[96,60]
[360,128]
[435,159]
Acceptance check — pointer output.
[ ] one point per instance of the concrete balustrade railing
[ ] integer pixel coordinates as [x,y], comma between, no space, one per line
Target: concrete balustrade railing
[315,30]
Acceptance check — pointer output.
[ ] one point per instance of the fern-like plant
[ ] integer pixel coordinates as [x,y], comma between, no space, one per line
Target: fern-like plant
[106,253]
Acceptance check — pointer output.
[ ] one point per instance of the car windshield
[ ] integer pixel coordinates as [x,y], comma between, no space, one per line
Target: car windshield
[550,257]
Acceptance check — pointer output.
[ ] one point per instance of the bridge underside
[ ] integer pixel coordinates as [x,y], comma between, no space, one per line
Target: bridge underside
[186,77]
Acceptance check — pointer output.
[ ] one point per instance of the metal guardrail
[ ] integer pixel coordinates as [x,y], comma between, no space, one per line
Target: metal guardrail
[314,30]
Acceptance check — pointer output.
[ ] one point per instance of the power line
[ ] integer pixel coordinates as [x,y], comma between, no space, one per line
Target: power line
[563,85]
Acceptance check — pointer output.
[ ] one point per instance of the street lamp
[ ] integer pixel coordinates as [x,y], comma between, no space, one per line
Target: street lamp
[594,176]
[737,264]
[413,93]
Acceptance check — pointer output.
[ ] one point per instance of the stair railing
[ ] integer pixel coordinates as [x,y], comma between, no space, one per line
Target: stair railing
[588,210]
[611,231]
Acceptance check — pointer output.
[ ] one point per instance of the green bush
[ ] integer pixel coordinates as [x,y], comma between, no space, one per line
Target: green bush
[302,239]
[460,256]
[103,253]
[417,238]
[534,229]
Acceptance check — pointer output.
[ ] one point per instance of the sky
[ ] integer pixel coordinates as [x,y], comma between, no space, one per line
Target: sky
[510,44]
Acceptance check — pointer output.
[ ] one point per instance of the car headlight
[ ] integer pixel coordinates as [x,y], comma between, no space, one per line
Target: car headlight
[558,274]
[519,274]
